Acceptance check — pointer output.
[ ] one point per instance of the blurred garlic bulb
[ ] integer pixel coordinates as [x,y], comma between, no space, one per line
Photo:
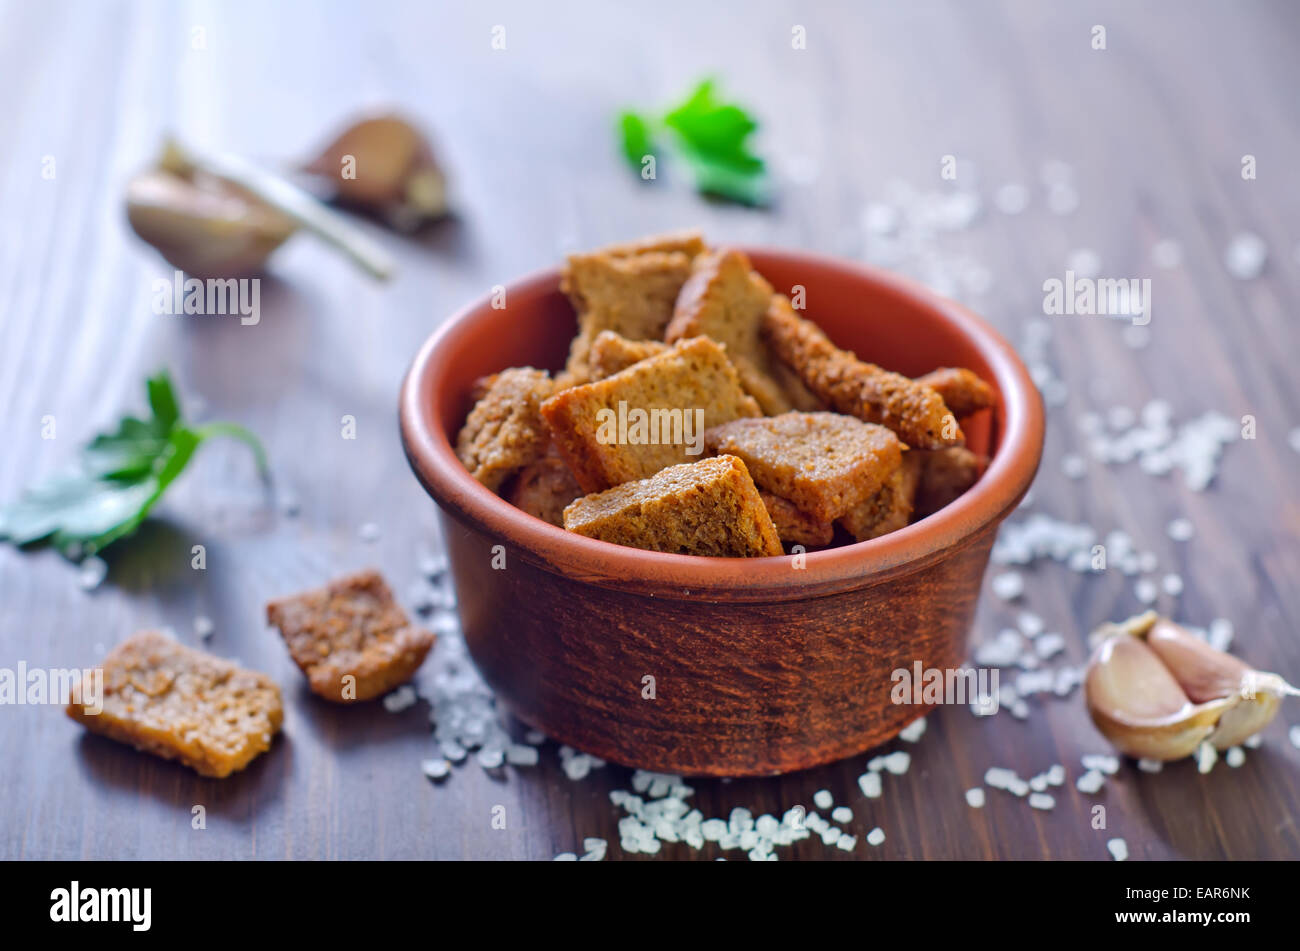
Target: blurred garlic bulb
[1156,691]
[384,165]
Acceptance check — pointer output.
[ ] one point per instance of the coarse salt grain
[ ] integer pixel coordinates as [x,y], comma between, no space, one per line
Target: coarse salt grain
[1245,256]
[1102,762]
[1206,757]
[369,532]
[870,785]
[1041,800]
[203,627]
[1180,529]
[1118,849]
[975,798]
[1146,591]
[1030,624]
[898,762]
[842,814]
[565,857]
[1172,584]
[1147,765]
[1074,466]
[436,769]
[913,732]
[1253,742]
[91,573]
[400,699]
[520,754]
[876,836]
[1090,782]
[1049,645]
[1009,585]
[847,842]
[1235,757]
[823,799]
[1056,774]
[1294,736]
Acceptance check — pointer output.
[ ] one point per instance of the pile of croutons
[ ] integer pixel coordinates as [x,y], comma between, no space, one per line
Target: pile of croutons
[699,414]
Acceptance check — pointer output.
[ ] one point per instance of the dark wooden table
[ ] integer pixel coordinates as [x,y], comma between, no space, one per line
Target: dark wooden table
[1154,126]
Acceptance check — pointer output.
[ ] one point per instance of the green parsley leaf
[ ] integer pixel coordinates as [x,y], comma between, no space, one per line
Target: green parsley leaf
[637,140]
[121,476]
[712,136]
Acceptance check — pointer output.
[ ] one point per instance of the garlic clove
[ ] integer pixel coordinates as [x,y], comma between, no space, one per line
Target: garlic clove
[1138,705]
[384,165]
[1203,672]
[203,226]
[1157,691]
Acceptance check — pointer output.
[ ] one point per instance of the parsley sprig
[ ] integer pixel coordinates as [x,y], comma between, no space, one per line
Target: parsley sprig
[711,136]
[121,475]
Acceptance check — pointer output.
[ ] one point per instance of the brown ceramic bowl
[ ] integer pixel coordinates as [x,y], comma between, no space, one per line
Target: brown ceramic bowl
[759,666]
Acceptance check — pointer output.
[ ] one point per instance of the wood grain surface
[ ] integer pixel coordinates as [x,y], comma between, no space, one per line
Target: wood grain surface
[1155,127]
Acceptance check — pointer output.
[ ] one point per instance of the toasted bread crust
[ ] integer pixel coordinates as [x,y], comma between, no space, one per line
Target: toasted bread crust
[544,487]
[692,375]
[945,475]
[725,298]
[611,353]
[961,390]
[183,704]
[824,463]
[504,431]
[350,628]
[890,508]
[795,526]
[710,507]
[851,386]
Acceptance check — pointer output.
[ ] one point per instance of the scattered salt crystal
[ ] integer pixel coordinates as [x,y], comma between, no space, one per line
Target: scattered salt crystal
[203,627]
[847,842]
[1167,253]
[1011,199]
[1056,774]
[1074,466]
[823,799]
[400,699]
[1235,757]
[1150,765]
[369,532]
[490,758]
[1146,591]
[897,763]
[830,835]
[876,836]
[1009,585]
[91,573]
[1294,736]
[435,769]
[1245,256]
[842,814]
[1253,742]
[565,857]
[520,754]
[1084,262]
[999,777]
[1173,584]
[433,567]
[870,785]
[1049,645]
[1038,783]
[975,798]
[1206,757]
[1102,762]
[1020,710]
[913,732]
[1118,849]
[1041,800]
[535,737]
[1030,624]
[1090,782]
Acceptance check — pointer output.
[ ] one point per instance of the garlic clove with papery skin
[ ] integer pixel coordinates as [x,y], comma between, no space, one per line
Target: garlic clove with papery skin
[1156,691]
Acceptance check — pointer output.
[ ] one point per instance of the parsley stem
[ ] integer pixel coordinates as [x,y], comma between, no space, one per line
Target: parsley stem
[235,431]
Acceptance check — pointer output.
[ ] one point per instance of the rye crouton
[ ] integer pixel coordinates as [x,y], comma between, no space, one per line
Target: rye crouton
[962,390]
[725,298]
[890,508]
[823,463]
[710,507]
[504,431]
[795,526]
[849,385]
[648,417]
[183,704]
[611,353]
[351,638]
[627,288]
[544,487]
[945,475]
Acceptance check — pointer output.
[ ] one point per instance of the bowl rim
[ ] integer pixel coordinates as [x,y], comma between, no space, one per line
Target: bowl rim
[433,459]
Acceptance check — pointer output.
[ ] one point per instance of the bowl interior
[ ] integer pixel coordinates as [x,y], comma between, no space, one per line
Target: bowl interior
[881,317]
